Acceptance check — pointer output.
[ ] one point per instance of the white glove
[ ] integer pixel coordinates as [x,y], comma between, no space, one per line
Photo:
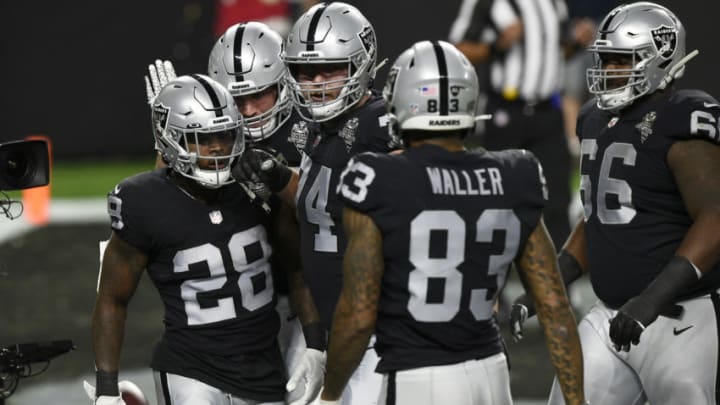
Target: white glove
[103,400]
[159,75]
[308,375]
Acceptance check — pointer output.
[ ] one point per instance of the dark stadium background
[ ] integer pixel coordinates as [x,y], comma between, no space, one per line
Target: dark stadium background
[73,70]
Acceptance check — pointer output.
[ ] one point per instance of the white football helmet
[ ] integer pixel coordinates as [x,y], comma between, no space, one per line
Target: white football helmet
[246,60]
[431,86]
[196,110]
[652,38]
[331,33]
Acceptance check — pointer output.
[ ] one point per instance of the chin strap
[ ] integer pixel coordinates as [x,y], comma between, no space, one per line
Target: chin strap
[677,69]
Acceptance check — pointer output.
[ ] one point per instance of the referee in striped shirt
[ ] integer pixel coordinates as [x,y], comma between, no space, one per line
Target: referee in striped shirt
[520,41]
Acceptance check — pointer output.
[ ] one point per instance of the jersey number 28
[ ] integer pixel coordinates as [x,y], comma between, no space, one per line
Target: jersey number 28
[193,289]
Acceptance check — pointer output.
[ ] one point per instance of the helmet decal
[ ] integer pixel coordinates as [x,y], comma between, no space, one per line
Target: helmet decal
[665,40]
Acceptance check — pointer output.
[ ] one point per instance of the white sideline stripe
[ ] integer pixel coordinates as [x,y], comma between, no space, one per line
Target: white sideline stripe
[62,211]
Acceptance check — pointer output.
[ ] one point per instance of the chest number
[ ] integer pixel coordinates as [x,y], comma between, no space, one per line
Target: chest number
[194,290]
[606,184]
[445,269]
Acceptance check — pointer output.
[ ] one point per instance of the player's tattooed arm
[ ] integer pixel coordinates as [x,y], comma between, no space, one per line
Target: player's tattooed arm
[122,267]
[539,271]
[695,164]
[356,311]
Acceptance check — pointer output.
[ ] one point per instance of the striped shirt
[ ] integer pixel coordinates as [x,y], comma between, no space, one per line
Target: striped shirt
[532,68]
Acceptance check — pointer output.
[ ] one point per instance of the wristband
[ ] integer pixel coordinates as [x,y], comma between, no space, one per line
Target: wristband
[676,276]
[106,384]
[570,269]
[315,336]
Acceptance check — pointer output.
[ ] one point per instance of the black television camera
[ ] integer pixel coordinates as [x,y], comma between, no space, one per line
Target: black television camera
[23,164]
[16,362]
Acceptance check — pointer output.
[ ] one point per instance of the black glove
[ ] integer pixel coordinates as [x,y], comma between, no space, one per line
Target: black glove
[259,165]
[639,312]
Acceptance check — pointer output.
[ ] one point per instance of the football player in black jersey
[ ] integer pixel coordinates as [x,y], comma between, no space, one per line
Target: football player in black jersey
[206,247]
[649,238]
[330,54]
[246,60]
[431,235]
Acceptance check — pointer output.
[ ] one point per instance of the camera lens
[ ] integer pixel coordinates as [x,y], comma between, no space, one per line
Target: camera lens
[24,164]
[16,166]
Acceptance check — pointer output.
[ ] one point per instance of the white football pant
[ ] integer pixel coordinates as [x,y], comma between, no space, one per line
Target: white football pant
[675,363]
[188,391]
[364,385]
[473,382]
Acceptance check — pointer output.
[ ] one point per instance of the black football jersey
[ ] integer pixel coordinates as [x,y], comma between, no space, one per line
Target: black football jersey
[635,216]
[325,155]
[280,141]
[451,222]
[210,264]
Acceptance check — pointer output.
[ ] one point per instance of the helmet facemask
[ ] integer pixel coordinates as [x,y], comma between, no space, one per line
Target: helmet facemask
[652,40]
[265,124]
[246,60]
[328,38]
[324,100]
[198,129]
[203,156]
[617,88]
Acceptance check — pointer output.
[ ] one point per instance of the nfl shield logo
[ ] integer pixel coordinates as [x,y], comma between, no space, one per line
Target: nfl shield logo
[216,217]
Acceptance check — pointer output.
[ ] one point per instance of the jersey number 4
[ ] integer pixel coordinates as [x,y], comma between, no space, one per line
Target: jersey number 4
[315,206]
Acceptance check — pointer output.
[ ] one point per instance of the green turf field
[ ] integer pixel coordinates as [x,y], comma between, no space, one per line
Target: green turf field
[90,178]
[96,178]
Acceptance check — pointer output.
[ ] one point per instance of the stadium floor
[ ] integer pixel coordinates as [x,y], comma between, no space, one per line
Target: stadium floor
[48,277]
